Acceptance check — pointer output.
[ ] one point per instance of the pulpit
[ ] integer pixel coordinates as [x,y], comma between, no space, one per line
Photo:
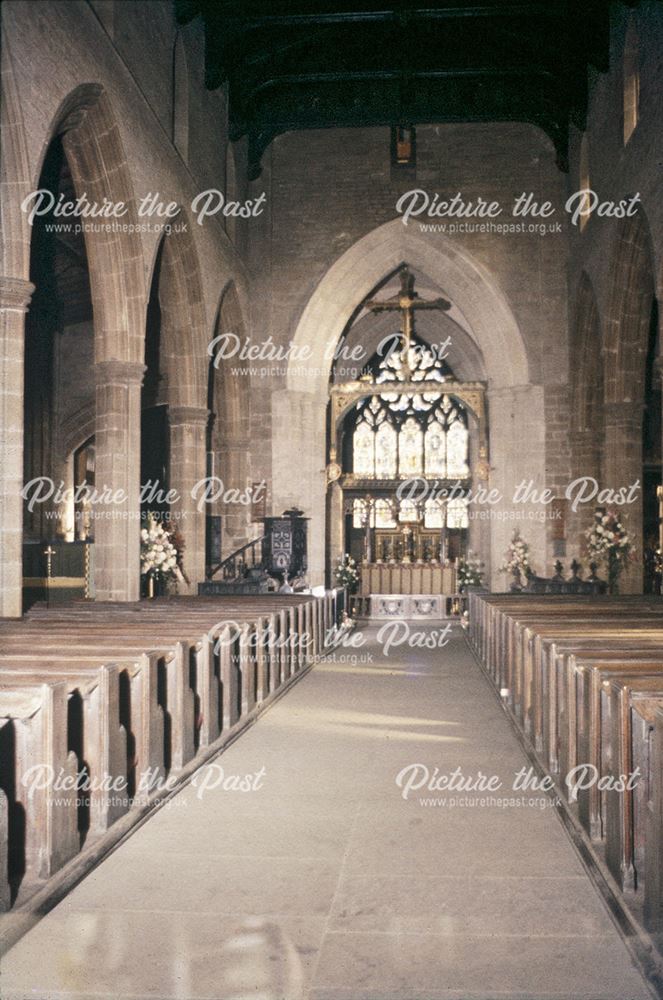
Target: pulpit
[284,545]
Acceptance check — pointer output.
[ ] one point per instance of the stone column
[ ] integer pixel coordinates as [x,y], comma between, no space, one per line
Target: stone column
[515,456]
[336,525]
[188,453]
[658,376]
[15,296]
[234,473]
[622,466]
[116,523]
[586,459]
[298,467]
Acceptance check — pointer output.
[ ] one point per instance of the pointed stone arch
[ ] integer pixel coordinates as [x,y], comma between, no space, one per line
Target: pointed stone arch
[86,123]
[230,404]
[183,317]
[182,350]
[93,145]
[447,264]
[632,284]
[587,387]
[300,411]
[586,364]
[15,293]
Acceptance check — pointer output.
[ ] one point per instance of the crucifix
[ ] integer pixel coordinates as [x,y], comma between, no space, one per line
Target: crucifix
[406,302]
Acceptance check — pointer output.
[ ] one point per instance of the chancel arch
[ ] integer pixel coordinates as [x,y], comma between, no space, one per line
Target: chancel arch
[356,273]
[484,320]
[401,434]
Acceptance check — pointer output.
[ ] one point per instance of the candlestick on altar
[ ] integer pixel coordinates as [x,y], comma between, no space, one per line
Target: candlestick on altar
[443,535]
[49,552]
[659,497]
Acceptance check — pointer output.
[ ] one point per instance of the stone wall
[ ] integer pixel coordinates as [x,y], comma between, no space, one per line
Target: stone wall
[327,191]
[125,86]
[620,260]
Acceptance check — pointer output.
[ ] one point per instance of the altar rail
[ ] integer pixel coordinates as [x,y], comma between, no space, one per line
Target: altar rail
[408,607]
[136,693]
[582,679]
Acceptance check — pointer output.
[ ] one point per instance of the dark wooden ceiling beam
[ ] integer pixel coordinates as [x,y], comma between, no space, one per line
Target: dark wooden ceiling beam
[375,63]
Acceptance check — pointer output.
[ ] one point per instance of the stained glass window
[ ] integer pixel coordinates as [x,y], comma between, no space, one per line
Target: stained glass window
[435,448]
[457,513]
[400,434]
[386,451]
[434,513]
[409,435]
[384,515]
[358,508]
[408,513]
[410,448]
[457,449]
[363,449]
[424,362]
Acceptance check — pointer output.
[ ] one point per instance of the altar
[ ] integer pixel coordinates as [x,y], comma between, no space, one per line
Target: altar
[407,578]
[411,591]
[408,442]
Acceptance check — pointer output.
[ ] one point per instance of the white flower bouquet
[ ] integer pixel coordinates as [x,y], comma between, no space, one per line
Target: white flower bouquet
[347,574]
[158,554]
[608,542]
[470,571]
[516,557]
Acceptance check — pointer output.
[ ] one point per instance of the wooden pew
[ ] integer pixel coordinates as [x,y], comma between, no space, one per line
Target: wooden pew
[154,685]
[5,888]
[531,682]
[653,821]
[619,757]
[118,741]
[42,827]
[583,680]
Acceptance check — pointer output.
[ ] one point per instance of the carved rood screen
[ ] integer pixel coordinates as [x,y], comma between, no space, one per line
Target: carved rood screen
[407,419]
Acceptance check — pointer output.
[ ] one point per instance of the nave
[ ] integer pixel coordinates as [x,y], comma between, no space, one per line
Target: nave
[325,882]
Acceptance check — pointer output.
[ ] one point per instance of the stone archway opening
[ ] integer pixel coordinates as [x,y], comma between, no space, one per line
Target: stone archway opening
[85,336]
[476,294]
[378,515]
[59,352]
[631,384]
[229,524]
[174,415]
[586,405]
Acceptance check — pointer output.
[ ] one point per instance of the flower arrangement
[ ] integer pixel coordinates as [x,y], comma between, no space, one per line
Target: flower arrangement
[516,558]
[337,633]
[608,542]
[470,572]
[347,574]
[159,553]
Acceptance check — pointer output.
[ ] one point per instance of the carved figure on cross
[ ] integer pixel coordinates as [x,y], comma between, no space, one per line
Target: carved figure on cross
[406,302]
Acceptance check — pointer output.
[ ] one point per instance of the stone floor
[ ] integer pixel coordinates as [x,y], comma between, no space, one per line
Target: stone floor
[324,882]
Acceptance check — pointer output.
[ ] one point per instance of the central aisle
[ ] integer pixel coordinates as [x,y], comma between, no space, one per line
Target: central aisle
[324,882]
